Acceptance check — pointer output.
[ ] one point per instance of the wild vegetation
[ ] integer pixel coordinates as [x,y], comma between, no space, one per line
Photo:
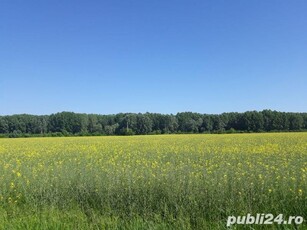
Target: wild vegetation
[151,182]
[68,123]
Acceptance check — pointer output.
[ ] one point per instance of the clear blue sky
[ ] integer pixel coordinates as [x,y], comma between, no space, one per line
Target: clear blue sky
[152,55]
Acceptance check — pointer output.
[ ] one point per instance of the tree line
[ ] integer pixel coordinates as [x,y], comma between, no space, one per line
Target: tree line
[69,123]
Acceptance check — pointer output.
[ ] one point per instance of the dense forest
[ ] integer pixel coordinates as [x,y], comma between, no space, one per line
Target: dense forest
[69,123]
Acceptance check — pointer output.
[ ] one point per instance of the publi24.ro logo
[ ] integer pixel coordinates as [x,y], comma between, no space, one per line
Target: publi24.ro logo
[264,219]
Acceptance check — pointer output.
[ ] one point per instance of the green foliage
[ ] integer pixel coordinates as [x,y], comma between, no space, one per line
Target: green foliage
[72,124]
[151,182]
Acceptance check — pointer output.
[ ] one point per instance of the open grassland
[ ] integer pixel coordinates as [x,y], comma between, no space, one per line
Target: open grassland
[151,182]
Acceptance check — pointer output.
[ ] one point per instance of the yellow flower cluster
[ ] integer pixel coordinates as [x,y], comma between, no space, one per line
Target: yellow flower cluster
[239,171]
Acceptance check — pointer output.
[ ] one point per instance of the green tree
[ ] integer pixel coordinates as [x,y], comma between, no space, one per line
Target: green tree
[296,121]
[144,124]
[4,126]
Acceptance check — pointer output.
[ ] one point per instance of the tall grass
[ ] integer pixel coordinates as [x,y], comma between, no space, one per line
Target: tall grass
[151,182]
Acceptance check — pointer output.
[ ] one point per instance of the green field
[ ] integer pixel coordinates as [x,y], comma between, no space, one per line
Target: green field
[151,182]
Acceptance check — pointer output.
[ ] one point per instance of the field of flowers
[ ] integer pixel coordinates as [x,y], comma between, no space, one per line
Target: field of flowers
[151,182]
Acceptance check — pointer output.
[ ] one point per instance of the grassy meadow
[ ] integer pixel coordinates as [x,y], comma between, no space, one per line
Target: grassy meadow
[151,182]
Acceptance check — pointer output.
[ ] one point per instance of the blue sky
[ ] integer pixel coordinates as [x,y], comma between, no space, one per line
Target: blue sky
[157,56]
